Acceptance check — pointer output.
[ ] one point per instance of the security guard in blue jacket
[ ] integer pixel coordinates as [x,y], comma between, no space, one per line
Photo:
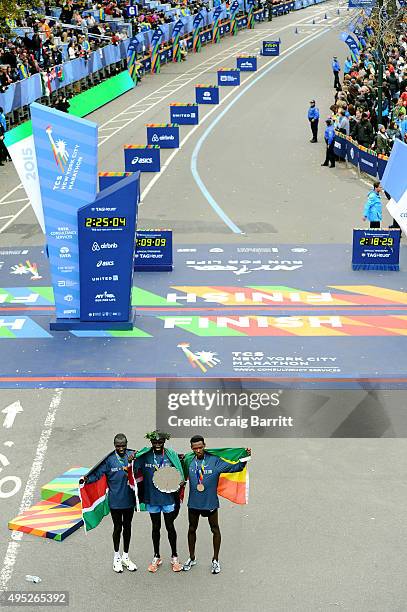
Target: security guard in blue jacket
[330,143]
[313,118]
[336,68]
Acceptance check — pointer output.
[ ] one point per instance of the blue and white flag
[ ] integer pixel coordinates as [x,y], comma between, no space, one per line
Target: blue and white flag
[352,44]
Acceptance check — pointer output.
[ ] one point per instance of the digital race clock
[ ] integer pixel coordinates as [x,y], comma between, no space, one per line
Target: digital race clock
[376,241]
[151,242]
[105,221]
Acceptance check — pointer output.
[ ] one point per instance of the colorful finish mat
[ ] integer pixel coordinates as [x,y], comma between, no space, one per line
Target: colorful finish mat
[282,313]
[64,489]
[49,520]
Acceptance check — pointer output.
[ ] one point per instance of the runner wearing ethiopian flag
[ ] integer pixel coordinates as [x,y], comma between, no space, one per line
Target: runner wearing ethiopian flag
[149,461]
[203,468]
[121,499]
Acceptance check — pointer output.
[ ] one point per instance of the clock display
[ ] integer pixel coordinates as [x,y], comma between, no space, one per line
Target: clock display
[150,242]
[377,241]
[105,221]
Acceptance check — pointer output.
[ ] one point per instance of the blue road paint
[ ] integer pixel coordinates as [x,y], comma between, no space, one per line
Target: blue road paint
[194,159]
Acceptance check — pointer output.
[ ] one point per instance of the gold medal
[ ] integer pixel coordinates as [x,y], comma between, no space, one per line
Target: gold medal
[200,487]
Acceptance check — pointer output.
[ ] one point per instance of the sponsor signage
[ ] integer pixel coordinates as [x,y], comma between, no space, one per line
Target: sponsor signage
[207,94]
[107,229]
[107,179]
[66,152]
[340,145]
[165,135]
[352,153]
[271,48]
[228,78]
[153,251]
[247,63]
[376,249]
[142,158]
[184,114]
[368,162]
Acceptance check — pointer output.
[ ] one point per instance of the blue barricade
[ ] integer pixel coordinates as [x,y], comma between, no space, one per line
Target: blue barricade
[207,94]
[247,63]
[229,78]
[184,114]
[141,157]
[165,135]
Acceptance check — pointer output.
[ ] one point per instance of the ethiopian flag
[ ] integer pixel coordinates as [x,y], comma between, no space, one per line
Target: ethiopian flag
[231,486]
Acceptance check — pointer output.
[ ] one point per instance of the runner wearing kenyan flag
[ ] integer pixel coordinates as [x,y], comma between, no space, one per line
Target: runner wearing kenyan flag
[121,499]
[204,468]
[149,461]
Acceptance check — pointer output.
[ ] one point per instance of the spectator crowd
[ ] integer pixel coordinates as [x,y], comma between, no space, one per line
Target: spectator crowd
[355,111]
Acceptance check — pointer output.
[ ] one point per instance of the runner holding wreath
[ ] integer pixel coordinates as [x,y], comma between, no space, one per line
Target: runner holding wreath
[162,479]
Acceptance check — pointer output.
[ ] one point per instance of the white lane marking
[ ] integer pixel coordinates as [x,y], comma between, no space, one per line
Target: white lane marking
[214,109]
[15,201]
[14,217]
[30,488]
[225,53]
[19,186]
[6,217]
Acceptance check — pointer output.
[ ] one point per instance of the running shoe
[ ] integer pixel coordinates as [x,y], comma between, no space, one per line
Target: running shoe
[128,564]
[215,567]
[117,565]
[189,564]
[176,565]
[154,565]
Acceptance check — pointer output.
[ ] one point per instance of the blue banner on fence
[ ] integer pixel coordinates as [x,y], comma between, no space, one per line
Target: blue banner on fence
[207,94]
[361,3]
[340,146]
[142,158]
[376,249]
[368,163]
[352,153]
[66,149]
[247,64]
[271,48]
[381,167]
[229,77]
[184,114]
[164,135]
[153,251]
[107,229]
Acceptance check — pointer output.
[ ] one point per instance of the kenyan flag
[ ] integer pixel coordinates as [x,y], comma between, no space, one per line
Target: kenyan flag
[94,500]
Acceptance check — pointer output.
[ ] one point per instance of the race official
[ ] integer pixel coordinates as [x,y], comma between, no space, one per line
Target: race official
[336,68]
[313,118]
[330,143]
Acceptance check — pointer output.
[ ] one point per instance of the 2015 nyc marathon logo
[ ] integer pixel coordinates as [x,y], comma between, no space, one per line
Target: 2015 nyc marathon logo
[68,163]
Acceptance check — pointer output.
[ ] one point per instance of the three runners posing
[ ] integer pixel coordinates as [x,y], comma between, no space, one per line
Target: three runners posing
[200,467]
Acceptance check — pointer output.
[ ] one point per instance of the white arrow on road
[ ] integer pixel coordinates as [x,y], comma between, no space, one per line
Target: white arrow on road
[11,413]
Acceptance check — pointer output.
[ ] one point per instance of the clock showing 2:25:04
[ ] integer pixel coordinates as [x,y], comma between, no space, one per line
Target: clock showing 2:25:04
[105,221]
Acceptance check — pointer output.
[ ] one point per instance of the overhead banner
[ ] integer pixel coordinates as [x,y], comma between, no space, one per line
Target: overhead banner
[66,150]
[20,145]
[365,4]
